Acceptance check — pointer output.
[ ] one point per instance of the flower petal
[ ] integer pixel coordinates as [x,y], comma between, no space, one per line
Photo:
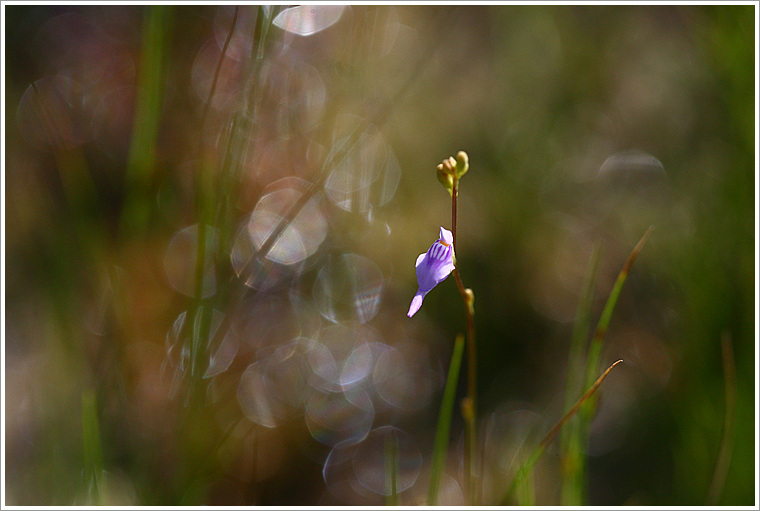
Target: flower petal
[446,236]
[441,272]
[426,277]
[416,303]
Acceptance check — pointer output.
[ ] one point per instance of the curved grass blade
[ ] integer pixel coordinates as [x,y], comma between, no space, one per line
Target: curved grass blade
[574,461]
[595,350]
[538,451]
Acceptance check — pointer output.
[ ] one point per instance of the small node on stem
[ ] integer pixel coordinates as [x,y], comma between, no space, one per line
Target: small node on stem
[469,297]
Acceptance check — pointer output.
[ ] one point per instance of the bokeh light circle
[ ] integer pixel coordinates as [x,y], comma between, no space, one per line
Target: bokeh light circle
[348,288]
[339,417]
[180,261]
[302,236]
[341,356]
[370,460]
[54,112]
[366,172]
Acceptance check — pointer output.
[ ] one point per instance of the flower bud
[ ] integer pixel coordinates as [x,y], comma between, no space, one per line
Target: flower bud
[446,179]
[462,164]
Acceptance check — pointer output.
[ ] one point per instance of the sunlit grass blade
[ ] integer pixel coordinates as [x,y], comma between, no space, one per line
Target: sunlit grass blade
[525,490]
[539,450]
[93,454]
[443,428]
[205,209]
[576,438]
[729,421]
[204,200]
[572,462]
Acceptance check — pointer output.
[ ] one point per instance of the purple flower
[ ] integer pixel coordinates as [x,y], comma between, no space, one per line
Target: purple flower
[432,268]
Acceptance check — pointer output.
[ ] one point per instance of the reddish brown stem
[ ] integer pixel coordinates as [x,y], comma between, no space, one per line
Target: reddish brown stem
[469,407]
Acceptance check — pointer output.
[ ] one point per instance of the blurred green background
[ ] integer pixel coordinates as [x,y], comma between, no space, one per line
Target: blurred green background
[584,126]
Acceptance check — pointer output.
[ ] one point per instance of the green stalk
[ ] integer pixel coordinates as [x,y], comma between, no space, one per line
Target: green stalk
[391,470]
[444,421]
[204,204]
[526,490]
[595,350]
[142,152]
[572,454]
[93,454]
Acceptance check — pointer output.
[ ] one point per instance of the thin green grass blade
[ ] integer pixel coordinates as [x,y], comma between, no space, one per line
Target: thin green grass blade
[391,470]
[93,454]
[539,450]
[595,350]
[572,456]
[142,152]
[443,428]
[204,188]
[526,490]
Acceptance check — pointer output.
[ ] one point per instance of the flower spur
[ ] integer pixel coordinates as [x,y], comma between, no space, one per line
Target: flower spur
[432,268]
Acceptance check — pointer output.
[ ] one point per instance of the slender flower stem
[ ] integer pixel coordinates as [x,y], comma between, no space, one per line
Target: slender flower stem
[469,405]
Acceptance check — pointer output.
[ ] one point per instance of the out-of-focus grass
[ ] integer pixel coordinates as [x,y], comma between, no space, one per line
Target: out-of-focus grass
[443,428]
[575,443]
[93,454]
[527,493]
[729,423]
[391,470]
[140,171]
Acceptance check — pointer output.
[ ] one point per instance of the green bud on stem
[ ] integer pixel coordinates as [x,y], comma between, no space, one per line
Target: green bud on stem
[462,164]
[446,179]
[450,170]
